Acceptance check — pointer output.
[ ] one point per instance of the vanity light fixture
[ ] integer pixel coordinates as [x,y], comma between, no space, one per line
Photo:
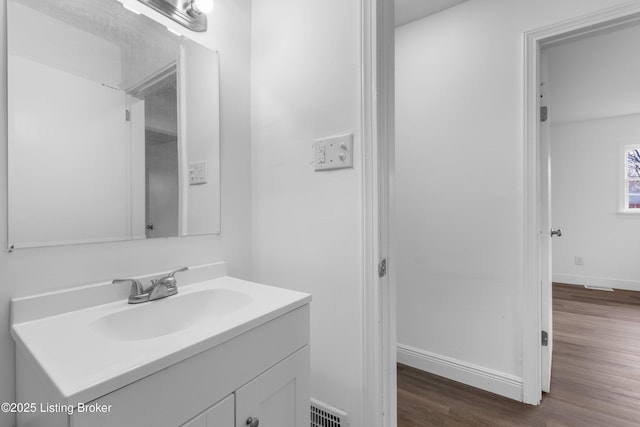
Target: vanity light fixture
[188,13]
[172,31]
[130,9]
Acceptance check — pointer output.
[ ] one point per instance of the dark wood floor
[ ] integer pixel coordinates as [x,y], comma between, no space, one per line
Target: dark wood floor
[595,379]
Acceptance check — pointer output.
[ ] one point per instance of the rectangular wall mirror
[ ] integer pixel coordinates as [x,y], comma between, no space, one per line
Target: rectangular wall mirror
[113,126]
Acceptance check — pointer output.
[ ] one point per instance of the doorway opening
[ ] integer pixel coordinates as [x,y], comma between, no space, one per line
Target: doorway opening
[539,47]
[154,106]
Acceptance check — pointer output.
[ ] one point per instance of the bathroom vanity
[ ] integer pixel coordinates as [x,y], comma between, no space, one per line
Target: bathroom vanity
[222,352]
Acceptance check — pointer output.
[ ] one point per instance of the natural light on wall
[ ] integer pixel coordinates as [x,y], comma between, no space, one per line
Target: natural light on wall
[632,178]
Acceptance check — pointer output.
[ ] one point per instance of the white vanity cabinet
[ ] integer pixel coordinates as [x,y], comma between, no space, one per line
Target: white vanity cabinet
[219,353]
[262,373]
[222,414]
[278,397]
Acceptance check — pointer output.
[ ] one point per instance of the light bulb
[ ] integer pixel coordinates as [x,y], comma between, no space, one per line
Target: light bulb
[203,6]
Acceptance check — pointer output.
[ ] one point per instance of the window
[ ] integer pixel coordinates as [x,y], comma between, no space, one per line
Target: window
[632,178]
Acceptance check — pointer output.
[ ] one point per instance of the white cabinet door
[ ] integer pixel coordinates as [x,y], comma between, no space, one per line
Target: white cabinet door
[219,415]
[279,397]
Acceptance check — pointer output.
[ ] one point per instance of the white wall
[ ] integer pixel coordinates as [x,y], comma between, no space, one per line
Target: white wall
[586,162]
[201,137]
[459,142]
[30,271]
[43,187]
[48,41]
[307,226]
[595,77]
[594,110]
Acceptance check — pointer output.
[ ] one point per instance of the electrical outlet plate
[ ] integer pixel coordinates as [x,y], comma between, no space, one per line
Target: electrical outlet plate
[333,153]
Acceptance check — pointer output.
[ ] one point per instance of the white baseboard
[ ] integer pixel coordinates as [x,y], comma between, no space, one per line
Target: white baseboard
[467,373]
[599,282]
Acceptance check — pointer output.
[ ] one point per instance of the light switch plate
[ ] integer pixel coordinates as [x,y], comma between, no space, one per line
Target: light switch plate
[198,173]
[333,153]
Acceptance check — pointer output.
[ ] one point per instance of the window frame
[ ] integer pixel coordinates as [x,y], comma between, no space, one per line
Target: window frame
[626,180]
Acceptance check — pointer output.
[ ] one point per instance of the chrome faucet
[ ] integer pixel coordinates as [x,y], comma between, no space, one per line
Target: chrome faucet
[137,293]
[160,288]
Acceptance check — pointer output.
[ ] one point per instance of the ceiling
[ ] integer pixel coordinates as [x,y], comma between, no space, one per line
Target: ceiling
[412,10]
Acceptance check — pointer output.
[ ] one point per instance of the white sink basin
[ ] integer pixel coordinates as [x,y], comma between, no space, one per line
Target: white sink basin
[93,349]
[169,315]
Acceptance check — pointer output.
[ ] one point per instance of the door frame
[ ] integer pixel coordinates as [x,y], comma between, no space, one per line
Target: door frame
[533,42]
[378,133]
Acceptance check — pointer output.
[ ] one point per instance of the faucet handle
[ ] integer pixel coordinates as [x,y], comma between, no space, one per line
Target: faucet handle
[168,280]
[136,286]
[170,275]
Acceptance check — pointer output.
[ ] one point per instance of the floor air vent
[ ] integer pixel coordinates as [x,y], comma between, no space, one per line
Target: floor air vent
[323,415]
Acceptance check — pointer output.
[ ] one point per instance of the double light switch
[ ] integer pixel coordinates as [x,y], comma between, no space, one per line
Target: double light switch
[198,173]
[333,153]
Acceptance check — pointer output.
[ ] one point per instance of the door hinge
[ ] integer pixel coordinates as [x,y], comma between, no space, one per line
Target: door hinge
[127,115]
[545,338]
[382,268]
[544,113]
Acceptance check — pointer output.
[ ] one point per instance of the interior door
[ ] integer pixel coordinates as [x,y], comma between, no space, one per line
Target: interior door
[546,318]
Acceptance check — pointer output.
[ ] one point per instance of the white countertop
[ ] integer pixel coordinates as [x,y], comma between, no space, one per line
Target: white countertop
[83,364]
